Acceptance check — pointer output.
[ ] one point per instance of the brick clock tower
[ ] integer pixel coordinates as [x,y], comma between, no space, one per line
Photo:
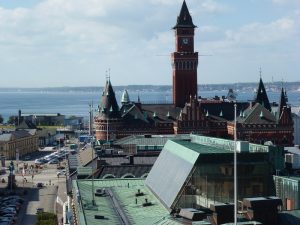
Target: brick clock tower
[184,59]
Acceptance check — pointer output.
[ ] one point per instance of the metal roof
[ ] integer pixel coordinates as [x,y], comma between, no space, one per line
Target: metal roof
[170,171]
[119,199]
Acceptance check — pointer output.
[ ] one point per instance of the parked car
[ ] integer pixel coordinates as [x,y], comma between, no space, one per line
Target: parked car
[53,161]
[39,185]
[39,210]
[38,162]
[61,172]
[27,157]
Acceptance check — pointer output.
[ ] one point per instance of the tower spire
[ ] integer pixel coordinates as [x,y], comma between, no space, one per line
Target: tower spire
[184,20]
[261,96]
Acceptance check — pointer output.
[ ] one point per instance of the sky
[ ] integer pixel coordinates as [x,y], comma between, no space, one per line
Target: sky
[54,43]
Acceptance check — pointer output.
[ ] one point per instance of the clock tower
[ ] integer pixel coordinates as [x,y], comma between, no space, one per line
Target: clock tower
[184,59]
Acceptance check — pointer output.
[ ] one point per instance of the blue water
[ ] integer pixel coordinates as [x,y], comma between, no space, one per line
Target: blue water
[77,103]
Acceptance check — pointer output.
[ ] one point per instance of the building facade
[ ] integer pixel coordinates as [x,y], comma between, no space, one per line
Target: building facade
[189,113]
[20,141]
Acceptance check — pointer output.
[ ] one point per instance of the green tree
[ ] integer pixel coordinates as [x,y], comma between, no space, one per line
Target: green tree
[12,120]
[1,119]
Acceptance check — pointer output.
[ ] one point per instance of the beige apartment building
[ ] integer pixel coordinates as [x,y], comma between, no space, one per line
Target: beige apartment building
[22,141]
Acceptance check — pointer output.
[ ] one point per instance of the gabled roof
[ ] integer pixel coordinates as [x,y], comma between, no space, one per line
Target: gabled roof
[108,106]
[261,96]
[164,112]
[26,124]
[133,112]
[184,20]
[257,114]
[13,135]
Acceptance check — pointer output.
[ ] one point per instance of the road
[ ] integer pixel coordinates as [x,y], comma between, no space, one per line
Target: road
[45,197]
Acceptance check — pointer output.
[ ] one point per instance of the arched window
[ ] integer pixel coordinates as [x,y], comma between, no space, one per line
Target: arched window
[108,176]
[128,175]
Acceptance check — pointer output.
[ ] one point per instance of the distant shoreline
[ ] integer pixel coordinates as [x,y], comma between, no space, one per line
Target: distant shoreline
[275,86]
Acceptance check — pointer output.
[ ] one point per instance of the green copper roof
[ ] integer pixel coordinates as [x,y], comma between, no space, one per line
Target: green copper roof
[123,191]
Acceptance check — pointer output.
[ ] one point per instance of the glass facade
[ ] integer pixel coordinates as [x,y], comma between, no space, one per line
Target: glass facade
[212,182]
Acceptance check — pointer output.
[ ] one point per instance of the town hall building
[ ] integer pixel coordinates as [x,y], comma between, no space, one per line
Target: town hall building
[189,113]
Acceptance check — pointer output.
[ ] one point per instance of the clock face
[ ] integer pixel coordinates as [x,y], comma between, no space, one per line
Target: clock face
[185,41]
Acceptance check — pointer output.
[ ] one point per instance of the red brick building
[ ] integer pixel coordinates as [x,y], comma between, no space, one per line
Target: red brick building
[256,122]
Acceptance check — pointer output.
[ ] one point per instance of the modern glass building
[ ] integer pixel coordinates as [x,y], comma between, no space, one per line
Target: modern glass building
[199,172]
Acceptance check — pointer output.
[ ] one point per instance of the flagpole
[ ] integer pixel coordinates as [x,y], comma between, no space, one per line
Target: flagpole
[235,169]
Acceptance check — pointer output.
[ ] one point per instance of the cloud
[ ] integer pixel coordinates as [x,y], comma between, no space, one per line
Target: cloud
[285,2]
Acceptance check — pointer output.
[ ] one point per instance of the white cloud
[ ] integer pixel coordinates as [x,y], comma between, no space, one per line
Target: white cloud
[282,2]
[212,6]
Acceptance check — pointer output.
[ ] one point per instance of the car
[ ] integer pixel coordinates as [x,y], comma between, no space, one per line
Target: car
[60,167]
[38,162]
[27,157]
[39,185]
[53,161]
[61,172]
[39,210]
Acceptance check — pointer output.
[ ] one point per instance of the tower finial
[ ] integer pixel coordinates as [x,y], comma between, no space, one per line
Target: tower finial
[260,72]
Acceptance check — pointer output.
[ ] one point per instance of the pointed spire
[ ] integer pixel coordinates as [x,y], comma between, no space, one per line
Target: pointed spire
[241,113]
[282,102]
[221,113]
[154,115]
[108,101]
[139,100]
[261,95]
[207,113]
[184,20]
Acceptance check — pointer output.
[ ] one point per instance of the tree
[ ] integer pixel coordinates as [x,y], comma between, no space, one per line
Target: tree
[1,119]
[12,120]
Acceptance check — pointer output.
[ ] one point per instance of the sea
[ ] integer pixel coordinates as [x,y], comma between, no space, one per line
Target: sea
[77,102]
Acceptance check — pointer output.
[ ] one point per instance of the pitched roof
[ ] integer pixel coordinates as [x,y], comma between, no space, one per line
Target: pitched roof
[184,20]
[13,135]
[257,114]
[26,124]
[261,96]
[108,106]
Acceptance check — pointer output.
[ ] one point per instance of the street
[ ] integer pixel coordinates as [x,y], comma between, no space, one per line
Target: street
[45,197]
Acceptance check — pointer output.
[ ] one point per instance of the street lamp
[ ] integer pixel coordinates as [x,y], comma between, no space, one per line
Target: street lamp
[235,169]
[93,147]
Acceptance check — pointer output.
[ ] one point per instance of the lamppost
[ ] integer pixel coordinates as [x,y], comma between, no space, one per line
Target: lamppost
[93,147]
[235,169]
